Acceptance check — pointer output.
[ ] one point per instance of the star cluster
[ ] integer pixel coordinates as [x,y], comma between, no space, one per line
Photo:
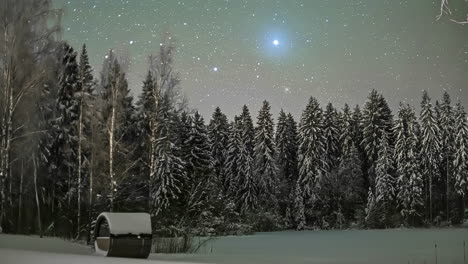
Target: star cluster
[235,52]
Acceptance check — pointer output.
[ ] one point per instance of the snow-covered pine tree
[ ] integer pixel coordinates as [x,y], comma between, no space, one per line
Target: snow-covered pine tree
[351,186]
[199,169]
[248,131]
[447,125]
[460,162]
[218,133]
[183,128]
[357,135]
[292,167]
[430,149]
[231,182]
[372,213]
[281,143]
[356,128]
[247,184]
[310,150]
[146,113]
[346,138]
[266,171]
[66,128]
[144,155]
[328,189]
[385,182]
[286,145]
[86,104]
[292,138]
[299,208]
[165,185]
[409,177]
[377,119]
[199,162]
[331,133]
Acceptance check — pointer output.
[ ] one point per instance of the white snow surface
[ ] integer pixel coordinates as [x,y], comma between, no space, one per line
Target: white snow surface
[128,223]
[13,256]
[18,249]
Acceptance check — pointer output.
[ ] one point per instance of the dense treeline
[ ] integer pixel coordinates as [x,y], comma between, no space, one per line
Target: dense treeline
[73,145]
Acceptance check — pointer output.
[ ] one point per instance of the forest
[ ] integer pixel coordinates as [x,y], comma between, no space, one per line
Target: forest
[74,143]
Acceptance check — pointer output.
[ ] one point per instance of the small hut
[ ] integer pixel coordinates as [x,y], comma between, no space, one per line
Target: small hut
[125,235]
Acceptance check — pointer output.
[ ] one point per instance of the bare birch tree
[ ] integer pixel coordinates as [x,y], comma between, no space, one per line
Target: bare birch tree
[25,39]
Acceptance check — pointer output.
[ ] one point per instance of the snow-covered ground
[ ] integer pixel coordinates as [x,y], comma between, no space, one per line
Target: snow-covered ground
[398,246]
[13,256]
[34,250]
[312,247]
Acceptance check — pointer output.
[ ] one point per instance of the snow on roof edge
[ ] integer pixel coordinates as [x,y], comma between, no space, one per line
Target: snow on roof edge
[128,223]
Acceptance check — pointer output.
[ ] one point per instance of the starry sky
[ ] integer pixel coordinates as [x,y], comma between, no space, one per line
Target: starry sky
[235,52]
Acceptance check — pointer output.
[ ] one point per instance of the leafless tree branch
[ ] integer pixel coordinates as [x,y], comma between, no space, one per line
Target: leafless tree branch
[445,10]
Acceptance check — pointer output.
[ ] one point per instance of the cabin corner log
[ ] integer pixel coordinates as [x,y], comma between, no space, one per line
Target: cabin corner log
[125,235]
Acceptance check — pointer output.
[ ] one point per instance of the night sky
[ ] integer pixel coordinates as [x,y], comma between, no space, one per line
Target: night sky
[233,52]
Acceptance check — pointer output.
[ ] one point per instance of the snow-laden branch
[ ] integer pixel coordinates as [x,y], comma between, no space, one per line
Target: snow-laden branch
[445,10]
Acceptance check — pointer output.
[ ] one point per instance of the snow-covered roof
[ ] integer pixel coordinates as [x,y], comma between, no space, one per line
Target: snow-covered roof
[128,223]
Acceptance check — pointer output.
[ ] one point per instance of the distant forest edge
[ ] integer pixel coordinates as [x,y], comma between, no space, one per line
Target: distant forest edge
[73,145]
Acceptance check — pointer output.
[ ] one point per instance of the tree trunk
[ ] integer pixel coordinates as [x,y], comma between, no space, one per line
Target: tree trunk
[6,129]
[20,200]
[152,125]
[448,191]
[111,144]
[80,129]
[53,208]
[90,201]
[152,164]
[430,199]
[69,189]
[39,223]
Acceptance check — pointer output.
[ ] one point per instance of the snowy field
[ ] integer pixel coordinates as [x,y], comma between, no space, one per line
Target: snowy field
[336,247]
[355,246]
[31,249]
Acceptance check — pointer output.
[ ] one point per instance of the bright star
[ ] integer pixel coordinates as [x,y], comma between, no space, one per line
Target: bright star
[215,69]
[275,42]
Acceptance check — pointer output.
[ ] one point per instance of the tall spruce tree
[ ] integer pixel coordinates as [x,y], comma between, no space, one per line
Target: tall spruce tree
[409,181]
[86,104]
[218,133]
[447,125]
[351,186]
[430,149]
[346,138]
[247,183]
[385,182]
[281,143]
[331,133]
[292,139]
[165,184]
[286,143]
[311,148]
[266,170]
[66,129]
[460,162]
[356,128]
[234,143]
[199,171]
[372,219]
[377,119]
